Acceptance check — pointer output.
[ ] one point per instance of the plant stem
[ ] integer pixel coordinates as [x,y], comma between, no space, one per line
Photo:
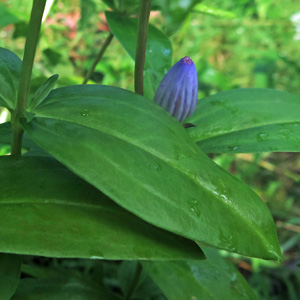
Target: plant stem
[99,56]
[23,91]
[145,8]
[135,281]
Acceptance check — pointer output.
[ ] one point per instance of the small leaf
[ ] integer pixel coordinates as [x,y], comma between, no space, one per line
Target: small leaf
[42,92]
[211,279]
[61,288]
[10,272]
[247,120]
[10,70]
[47,210]
[142,158]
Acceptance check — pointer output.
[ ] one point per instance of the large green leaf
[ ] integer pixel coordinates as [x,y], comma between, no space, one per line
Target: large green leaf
[212,279]
[10,70]
[10,271]
[158,53]
[47,210]
[141,157]
[61,288]
[247,120]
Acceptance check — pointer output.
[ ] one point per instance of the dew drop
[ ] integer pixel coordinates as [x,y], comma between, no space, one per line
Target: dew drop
[84,113]
[157,167]
[262,136]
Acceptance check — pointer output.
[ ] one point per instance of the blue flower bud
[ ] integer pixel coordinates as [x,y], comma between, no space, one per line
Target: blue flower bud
[178,91]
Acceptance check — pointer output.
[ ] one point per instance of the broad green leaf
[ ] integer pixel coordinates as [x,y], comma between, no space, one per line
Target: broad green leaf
[10,271]
[42,92]
[212,279]
[247,120]
[47,210]
[10,70]
[141,157]
[158,52]
[61,288]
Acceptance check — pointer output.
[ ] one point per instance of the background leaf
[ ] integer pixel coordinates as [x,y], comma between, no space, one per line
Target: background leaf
[151,167]
[10,271]
[175,12]
[61,288]
[247,120]
[214,278]
[46,210]
[158,52]
[10,70]
[88,8]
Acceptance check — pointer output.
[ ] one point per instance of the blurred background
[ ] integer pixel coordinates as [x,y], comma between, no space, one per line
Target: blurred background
[234,44]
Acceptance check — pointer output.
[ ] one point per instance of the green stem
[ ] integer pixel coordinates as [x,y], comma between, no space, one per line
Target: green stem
[23,91]
[145,8]
[135,281]
[99,56]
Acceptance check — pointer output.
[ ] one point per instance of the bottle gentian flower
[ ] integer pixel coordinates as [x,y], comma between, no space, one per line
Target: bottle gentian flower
[178,90]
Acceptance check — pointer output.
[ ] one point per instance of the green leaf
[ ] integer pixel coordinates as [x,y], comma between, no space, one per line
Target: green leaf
[202,8]
[212,279]
[158,52]
[61,288]
[10,271]
[123,6]
[46,210]
[247,120]
[42,92]
[140,156]
[175,12]
[88,8]
[7,16]
[10,70]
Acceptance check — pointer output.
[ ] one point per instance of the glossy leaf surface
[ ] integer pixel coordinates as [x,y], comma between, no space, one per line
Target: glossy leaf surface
[10,272]
[61,288]
[247,120]
[47,210]
[158,52]
[212,279]
[141,157]
[10,70]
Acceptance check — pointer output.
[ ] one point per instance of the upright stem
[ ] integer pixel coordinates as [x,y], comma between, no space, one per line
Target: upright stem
[23,91]
[145,8]
[135,281]
[99,56]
